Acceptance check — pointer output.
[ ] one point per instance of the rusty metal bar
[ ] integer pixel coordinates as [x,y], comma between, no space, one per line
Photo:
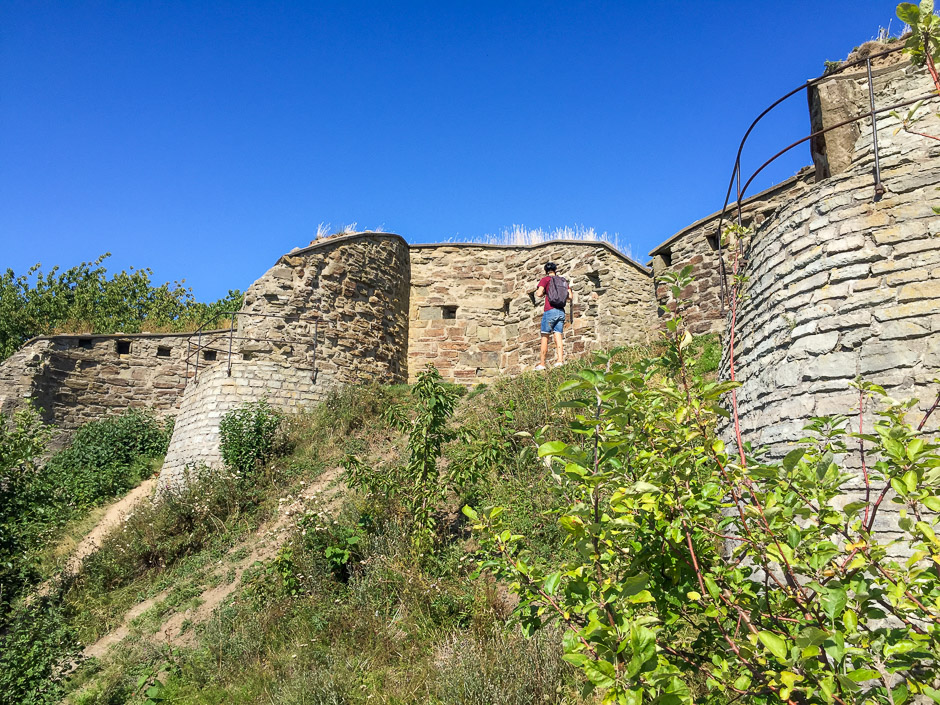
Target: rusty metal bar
[231,334]
[198,348]
[879,188]
[833,127]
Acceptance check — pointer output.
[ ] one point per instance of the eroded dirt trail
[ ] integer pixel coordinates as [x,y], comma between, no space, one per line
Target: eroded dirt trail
[113,517]
[262,545]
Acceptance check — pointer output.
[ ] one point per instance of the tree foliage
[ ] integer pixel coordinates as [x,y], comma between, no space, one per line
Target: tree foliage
[84,299]
[702,573]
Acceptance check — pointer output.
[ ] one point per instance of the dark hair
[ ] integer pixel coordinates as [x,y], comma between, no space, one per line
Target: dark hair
[551,267]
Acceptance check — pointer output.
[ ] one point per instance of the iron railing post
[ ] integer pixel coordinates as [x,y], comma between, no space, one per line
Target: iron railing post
[231,333]
[879,188]
[198,349]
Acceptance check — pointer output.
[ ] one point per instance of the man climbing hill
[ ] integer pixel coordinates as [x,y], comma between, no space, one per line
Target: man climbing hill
[557,294]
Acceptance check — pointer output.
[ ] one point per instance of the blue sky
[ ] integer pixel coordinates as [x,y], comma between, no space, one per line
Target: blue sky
[206,139]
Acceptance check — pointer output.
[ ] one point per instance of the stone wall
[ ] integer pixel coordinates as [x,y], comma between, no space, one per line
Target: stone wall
[348,295]
[472,314]
[331,314]
[77,378]
[195,441]
[697,245]
[841,284]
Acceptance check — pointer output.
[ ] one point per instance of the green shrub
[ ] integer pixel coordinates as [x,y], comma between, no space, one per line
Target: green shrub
[23,441]
[106,458]
[250,437]
[37,648]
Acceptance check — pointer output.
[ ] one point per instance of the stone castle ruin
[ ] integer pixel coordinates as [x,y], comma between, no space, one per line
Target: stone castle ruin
[840,282]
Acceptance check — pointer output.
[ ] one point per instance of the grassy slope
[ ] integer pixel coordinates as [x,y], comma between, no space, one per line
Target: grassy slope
[386,625]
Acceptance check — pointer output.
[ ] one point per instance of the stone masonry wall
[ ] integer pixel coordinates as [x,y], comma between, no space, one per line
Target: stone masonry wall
[334,313]
[357,287]
[697,245]
[78,378]
[195,441]
[473,317]
[841,284]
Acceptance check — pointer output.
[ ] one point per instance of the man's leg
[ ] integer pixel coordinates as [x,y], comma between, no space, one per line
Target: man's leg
[559,348]
[544,349]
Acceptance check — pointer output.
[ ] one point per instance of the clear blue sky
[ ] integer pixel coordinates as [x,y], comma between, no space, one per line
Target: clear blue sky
[205,139]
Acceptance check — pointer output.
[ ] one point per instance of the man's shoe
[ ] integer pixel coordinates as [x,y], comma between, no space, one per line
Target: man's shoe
[558,364]
[540,367]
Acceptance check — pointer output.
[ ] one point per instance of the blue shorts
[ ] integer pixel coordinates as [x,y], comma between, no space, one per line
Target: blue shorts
[553,321]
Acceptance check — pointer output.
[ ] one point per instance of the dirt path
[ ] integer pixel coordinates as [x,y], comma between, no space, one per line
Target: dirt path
[326,489]
[115,514]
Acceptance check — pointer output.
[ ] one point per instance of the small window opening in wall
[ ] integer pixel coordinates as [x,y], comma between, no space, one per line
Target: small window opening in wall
[712,241]
[86,343]
[666,257]
[449,312]
[247,356]
[506,307]
[163,351]
[595,279]
[123,347]
[209,355]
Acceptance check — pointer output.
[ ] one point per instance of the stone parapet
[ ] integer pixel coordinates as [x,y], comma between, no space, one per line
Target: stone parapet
[78,378]
[473,316]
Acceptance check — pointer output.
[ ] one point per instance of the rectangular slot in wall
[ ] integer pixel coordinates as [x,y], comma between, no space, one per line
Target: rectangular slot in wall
[506,307]
[209,355]
[86,343]
[163,351]
[448,312]
[712,242]
[123,347]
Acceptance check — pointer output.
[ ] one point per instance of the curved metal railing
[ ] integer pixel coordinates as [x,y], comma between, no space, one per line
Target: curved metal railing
[871,114]
[194,350]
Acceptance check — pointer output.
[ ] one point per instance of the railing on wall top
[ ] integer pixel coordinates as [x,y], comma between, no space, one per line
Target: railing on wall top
[872,114]
[195,349]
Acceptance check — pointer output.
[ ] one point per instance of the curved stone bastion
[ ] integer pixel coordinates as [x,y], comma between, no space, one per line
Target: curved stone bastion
[841,285]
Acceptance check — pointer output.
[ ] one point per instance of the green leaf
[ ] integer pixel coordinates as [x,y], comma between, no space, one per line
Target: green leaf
[776,644]
[575,659]
[910,480]
[908,13]
[711,586]
[552,448]
[633,584]
[644,487]
[932,503]
[862,674]
[834,602]
[551,583]
[600,673]
[791,459]
[569,385]
[470,513]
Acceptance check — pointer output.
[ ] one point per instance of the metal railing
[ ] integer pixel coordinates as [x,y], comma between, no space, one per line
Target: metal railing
[195,350]
[872,114]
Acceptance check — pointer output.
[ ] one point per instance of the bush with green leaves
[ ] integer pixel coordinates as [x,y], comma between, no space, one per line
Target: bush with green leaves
[83,299]
[105,458]
[417,483]
[37,648]
[702,573]
[23,440]
[251,436]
